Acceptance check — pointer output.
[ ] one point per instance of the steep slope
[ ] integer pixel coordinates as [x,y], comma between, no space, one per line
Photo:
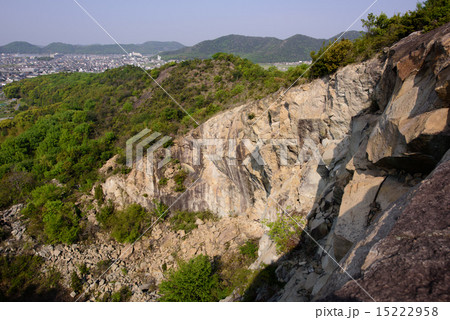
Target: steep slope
[358,141]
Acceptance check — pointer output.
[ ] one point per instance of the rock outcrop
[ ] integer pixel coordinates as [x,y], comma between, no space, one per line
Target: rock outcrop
[346,151]
[352,153]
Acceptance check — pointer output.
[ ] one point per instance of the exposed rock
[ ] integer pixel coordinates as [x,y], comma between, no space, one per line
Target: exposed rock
[411,135]
[359,195]
[409,244]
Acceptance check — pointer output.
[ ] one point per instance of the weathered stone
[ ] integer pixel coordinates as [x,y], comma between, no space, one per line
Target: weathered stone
[311,281]
[355,208]
[410,244]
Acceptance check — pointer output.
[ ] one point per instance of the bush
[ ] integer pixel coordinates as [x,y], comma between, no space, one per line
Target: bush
[60,222]
[329,58]
[185,220]
[21,279]
[124,294]
[98,194]
[285,232]
[84,270]
[249,250]
[127,225]
[75,283]
[194,281]
[179,178]
[162,181]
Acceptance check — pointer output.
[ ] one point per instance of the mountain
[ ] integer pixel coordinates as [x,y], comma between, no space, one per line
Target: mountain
[257,49]
[149,47]
[20,47]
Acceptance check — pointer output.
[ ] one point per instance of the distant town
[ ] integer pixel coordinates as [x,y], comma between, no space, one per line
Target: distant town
[14,67]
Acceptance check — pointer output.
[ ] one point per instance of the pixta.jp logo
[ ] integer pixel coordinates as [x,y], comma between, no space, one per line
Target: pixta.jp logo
[146,140]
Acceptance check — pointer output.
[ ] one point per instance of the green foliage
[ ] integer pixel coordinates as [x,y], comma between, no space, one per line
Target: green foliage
[75,283]
[382,31]
[127,225]
[84,270]
[102,266]
[49,218]
[162,181]
[123,295]
[161,211]
[98,194]
[194,280]
[249,249]
[21,279]
[285,231]
[179,178]
[329,58]
[185,220]
[60,222]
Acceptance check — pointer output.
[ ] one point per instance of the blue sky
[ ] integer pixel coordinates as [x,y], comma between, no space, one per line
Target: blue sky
[189,22]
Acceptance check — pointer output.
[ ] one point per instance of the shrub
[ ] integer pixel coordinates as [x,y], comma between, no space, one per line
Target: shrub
[75,283]
[185,220]
[124,294]
[161,211]
[329,58]
[60,222]
[162,181]
[127,225]
[193,281]
[249,250]
[98,194]
[21,279]
[84,270]
[179,178]
[285,231]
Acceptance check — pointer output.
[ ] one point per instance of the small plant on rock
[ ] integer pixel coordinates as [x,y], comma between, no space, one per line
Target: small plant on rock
[285,231]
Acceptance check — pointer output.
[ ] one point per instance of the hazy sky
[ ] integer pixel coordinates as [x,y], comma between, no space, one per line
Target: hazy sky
[189,22]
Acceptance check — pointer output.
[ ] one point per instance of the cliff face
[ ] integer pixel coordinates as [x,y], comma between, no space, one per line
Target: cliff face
[360,144]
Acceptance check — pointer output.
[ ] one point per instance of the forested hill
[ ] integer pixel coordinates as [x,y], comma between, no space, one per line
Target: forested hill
[149,47]
[257,49]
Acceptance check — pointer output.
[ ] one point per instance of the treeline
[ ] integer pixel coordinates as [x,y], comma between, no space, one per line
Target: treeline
[381,32]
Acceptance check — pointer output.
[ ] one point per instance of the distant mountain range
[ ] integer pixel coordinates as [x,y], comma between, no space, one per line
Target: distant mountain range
[150,47]
[257,49]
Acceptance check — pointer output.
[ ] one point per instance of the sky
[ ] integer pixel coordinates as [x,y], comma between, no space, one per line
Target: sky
[188,22]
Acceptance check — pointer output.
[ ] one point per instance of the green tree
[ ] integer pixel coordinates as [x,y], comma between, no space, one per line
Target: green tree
[330,57]
[193,281]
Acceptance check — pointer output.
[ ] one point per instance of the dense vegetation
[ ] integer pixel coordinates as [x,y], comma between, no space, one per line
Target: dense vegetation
[381,32]
[21,280]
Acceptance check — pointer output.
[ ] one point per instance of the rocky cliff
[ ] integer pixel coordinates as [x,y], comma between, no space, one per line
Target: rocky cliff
[361,156]
[348,151]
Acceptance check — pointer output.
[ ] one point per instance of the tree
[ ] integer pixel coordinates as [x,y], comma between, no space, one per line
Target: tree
[193,281]
[330,57]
